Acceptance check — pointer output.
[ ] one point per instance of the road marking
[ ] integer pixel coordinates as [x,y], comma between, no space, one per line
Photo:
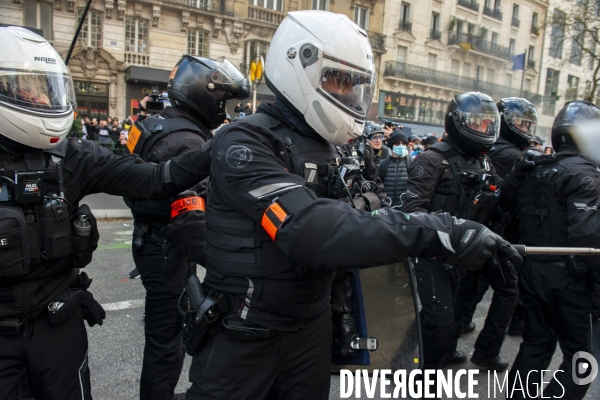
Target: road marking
[123,305]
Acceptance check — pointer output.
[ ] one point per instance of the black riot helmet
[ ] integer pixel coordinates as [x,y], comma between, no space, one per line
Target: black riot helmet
[202,86]
[518,120]
[472,122]
[568,122]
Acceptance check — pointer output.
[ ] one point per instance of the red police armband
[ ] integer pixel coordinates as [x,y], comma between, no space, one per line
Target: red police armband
[272,219]
[187,204]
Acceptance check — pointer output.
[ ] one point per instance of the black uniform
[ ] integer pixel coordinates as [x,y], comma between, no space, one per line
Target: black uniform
[558,206]
[163,269]
[284,285]
[441,179]
[53,345]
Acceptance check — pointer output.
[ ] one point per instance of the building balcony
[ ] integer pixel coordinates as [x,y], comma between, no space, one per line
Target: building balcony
[265,15]
[490,12]
[470,4]
[434,34]
[137,59]
[377,41]
[405,26]
[475,43]
[535,30]
[396,69]
[530,64]
[515,22]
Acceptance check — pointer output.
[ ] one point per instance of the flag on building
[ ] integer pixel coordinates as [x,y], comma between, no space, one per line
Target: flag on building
[519,62]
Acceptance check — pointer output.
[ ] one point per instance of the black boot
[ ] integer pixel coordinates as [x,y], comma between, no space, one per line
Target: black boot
[458,357]
[468,328]
[496,363]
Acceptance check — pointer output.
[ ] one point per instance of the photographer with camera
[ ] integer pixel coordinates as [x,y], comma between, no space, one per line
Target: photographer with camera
[168,236]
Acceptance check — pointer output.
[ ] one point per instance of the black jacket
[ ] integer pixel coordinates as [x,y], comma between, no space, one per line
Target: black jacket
[87,169]
[249,169]
[503,155]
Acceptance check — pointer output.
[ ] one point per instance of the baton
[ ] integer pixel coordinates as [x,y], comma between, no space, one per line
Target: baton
[557,251]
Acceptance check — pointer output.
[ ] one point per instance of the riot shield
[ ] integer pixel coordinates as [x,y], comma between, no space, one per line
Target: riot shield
[385,307]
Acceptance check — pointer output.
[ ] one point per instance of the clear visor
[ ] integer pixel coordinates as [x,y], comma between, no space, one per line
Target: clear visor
[349,87]
[37,91]
[482,127]
[523,124]
[226,73]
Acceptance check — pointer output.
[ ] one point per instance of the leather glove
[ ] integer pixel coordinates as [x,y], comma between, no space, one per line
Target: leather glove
[93,312]
[508,254]
[527,163]
[343,333]
[453,273]
[473,245]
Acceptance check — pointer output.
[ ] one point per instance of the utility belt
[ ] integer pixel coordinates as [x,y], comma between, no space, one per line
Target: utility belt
[142,232]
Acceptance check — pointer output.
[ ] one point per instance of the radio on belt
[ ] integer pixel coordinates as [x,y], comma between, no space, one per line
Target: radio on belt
[29,186]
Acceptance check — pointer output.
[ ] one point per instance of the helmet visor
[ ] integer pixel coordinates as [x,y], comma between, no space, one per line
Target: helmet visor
[38,92]
[480,127]
[226,73]
[523,124]
[347,86]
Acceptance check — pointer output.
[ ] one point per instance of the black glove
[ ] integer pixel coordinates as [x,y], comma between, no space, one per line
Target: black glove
[527,163]
[453,273]
[508,254]
[343,333]
[93,312]
[473,245]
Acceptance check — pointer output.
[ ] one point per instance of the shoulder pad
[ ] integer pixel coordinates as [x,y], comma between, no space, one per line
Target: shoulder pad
[440,147]
[261,119]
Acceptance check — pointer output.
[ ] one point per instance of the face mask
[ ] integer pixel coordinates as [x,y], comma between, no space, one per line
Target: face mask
[400,151]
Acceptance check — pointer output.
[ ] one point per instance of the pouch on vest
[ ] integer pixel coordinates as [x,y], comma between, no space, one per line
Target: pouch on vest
[85,236]
[55,229]
[14,244]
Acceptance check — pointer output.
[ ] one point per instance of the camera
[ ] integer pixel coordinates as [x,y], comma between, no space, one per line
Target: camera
[155,105]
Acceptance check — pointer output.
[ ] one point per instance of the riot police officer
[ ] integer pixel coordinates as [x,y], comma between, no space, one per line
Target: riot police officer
[518,121]
[45,236]
[166,243]
[274,237]
[456,176]
[558,201]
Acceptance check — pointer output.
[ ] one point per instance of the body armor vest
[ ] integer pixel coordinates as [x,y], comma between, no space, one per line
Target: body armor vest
[542,219]
[239,246]
[460,198]
[36,225]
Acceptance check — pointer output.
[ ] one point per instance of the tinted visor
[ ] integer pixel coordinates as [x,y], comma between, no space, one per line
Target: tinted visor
[348,86]
[40,92]
[523,124]
[479,127]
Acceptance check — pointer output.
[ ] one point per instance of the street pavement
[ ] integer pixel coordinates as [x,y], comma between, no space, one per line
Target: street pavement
[116,347]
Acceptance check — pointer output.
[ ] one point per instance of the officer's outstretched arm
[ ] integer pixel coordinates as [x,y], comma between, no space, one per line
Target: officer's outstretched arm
[324,233]
[89,168]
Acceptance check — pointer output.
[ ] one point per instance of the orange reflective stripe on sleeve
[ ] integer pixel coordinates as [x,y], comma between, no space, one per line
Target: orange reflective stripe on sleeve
[186,204]
[273,219]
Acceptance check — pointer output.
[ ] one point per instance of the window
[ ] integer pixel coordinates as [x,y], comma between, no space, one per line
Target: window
[467,69]
[435,22]
[459,27]
[455,66]
[38,14]
[253,48]
[322,5]
[361,17]
[91,30]
[136,35]
[494,39]
[511,47]
[588,87]
[515,13]
[402,51]
[490,75]
[534,21]
[578,38]
[200,4]
[471,29]
[405,12]
[276,5]
[527,85]
[550,92]
[558,34]
[480,71]
[197,42]
[508,81]
[432,61]
[497,5]
[530,54]
[572,88]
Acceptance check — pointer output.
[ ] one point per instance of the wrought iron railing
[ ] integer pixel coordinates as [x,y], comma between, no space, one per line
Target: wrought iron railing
[490,12]
[530,64]
[405,26]
[471,4]
[377,41]
[467,83]
[515,22]
[478,44]
[434,34]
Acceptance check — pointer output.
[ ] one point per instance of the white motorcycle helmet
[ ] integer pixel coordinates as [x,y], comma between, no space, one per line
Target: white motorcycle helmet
[36,91]
[322,65]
